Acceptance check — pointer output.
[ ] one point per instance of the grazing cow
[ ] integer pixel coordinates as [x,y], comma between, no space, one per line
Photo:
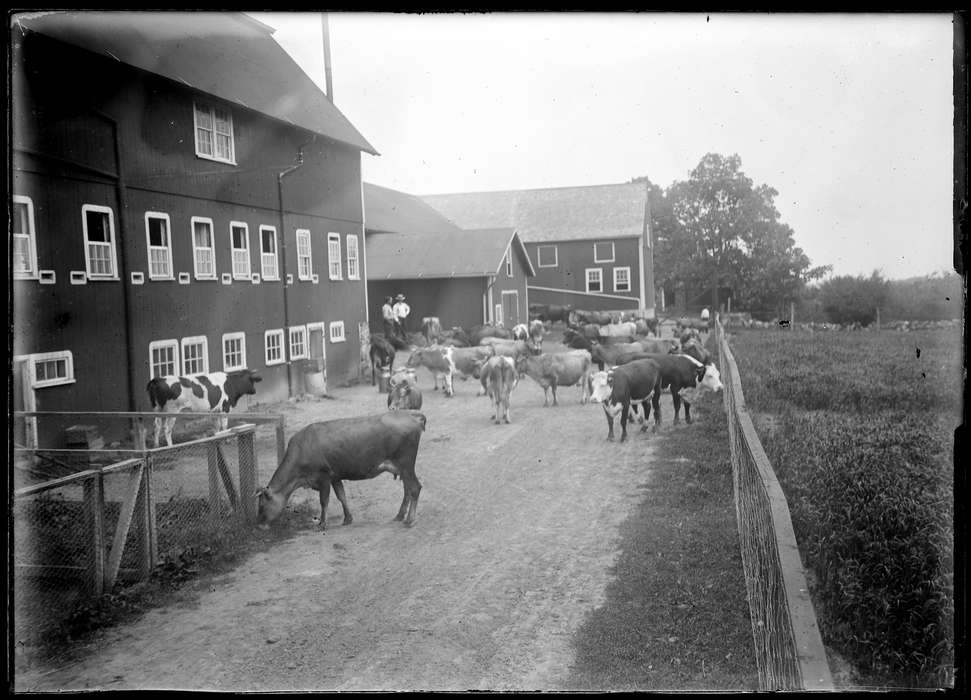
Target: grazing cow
[636,382]
[499,378]
[448,361]
[217,391]
[382,354]
[685,372]
[404,395]
[431,328]
[486,331]
[322,455]
[558,369]
[696,350]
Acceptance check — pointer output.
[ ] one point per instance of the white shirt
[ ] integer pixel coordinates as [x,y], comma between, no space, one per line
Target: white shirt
[401,310]
[704,314]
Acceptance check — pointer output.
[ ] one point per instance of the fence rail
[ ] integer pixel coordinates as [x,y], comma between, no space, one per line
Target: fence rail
[788,647]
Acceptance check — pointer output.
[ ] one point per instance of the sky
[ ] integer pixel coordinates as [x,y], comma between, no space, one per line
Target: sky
[849,117]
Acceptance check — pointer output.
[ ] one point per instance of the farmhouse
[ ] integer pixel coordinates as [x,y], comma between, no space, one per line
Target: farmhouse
[464,277]
[185,200]
[591,246]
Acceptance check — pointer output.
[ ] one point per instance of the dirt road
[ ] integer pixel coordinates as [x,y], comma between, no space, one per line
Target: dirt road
[517,529]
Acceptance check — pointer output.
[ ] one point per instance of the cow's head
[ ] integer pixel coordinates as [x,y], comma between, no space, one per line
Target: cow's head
[414,360]
[270,505]
[240,383]
[601,386]
[709,378]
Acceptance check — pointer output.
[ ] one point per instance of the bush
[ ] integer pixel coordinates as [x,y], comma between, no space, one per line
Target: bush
[853,299]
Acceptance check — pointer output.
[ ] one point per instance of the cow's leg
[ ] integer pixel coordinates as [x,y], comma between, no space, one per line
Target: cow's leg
[656,405]
[224,421]
[624,415]
[505,409]
[610,424]
[687,412]
[323,489]
[405,462]
[553,389]
[158,431]
[169,424]
[338,486]
[448,384]
[676,400]
[546,396]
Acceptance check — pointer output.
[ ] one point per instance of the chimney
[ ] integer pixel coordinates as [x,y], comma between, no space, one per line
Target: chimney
[325,32]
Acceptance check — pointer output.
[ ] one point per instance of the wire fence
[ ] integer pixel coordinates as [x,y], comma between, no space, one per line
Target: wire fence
[788,647]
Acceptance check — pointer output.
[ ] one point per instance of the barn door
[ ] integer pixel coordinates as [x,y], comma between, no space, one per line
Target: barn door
[510,308]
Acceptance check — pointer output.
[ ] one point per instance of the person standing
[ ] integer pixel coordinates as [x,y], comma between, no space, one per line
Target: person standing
[401,311]
[387,313]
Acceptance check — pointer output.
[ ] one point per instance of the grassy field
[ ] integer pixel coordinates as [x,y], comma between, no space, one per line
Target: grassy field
[860,429]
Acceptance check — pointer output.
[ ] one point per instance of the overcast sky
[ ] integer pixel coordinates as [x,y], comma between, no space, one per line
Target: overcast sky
[849,117]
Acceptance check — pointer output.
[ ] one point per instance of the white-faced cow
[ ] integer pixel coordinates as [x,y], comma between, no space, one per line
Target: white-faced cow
[323,455]
[499,378]
[685,372]
[558,369]
[214,392]
[620,387]
[448,361]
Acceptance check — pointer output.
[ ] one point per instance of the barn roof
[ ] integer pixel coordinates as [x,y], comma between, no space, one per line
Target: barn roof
[224,54]
[554,214]
[455,253]
[397,212]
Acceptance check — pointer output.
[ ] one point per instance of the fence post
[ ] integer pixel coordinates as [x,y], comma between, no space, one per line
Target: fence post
[281,442]
[246,446]
[213,460]
[94,503]
[146,511]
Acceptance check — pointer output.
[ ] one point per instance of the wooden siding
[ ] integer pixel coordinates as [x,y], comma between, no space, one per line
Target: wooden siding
[518,283]
[455,301]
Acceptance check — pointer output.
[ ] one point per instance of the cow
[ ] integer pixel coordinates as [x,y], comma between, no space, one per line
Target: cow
[558,369]
[638,381]
[680,372]
[538,311]
[520,331]
[696,350]
[477,333]
[555,312]
[381,353]
[431,328]
[404,395]
[608,355]
[658,345]
[598,318]
[447,360]
[499,378]
[643,326]
[627,330]
[456,336]
[214,392]
[323,455]
[510,348]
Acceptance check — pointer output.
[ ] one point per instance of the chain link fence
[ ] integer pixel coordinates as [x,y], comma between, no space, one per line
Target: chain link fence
[788,647]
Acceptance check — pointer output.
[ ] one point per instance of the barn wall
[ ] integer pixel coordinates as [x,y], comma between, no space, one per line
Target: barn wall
[455,301]
[518,283]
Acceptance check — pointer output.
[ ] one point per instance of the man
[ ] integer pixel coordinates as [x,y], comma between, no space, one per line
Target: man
[387,312]
[401,311]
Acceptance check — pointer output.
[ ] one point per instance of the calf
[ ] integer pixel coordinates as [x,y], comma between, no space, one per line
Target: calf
[217,391]
[381,353]
[499,378]
[558,369]
[431,328]
[322,455]
[448,361]
[635,382]
[404,393]
[685,372]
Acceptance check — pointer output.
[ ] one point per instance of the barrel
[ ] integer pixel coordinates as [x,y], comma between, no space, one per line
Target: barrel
[384,381]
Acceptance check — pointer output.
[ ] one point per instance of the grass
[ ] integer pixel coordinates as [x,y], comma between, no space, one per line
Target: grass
[859,428]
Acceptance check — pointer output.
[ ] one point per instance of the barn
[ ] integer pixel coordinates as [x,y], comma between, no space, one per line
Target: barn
[185,200]
[591,246]
[464,277]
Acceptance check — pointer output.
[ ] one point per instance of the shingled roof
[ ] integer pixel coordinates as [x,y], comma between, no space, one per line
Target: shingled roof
[556,214]
[224,54]
[397,212]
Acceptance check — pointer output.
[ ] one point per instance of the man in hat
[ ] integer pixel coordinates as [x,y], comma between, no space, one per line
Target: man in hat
[401,311]
[387,312]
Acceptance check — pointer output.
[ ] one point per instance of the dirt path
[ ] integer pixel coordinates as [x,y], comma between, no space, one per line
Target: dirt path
[516,533]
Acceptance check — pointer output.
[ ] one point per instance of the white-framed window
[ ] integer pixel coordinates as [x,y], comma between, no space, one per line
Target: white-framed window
[269,261]
[99,242]
[603,252]
[24,239]
[163,358]
[595,282]
[498,315]
[334,255]
[239,240]
[214,133]
[298,343]
[273,347]
[337,332]
[547,256]
[203,249]
[51,368]
[195,355]
[508,262]
[158,236]
[304,255]
[234,351]
[353,258]
[621,279]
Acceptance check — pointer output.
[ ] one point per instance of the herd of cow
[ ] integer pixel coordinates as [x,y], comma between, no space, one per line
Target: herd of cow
[613,364]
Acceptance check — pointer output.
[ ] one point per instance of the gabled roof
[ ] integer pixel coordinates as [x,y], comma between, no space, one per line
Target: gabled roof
[455,253]
[224,54]
[397,212]
[555,214]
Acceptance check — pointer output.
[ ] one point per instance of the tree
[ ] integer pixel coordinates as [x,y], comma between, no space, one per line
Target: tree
[847,299]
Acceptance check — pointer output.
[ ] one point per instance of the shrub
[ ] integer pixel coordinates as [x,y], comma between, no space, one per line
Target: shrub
[853,299]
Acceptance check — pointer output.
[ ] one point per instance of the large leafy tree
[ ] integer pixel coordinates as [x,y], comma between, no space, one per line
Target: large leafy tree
[847,299]
[719,229]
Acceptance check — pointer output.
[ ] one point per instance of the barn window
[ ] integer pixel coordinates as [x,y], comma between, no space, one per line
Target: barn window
[268,257]
[594,279]
[234,351]
[52,368]
[163,358]
[99,242]
[546,256]
[621,279]
[508,262]
[24,238]
[195,355]
[337,332]
[239,233]
[214,134]
[603,252]
[273,345]
[304,258]
[353,259]
[157,233]
[334,255]
[298,342]
[203,249]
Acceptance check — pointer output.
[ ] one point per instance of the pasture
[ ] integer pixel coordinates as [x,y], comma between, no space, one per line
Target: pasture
[860,428]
